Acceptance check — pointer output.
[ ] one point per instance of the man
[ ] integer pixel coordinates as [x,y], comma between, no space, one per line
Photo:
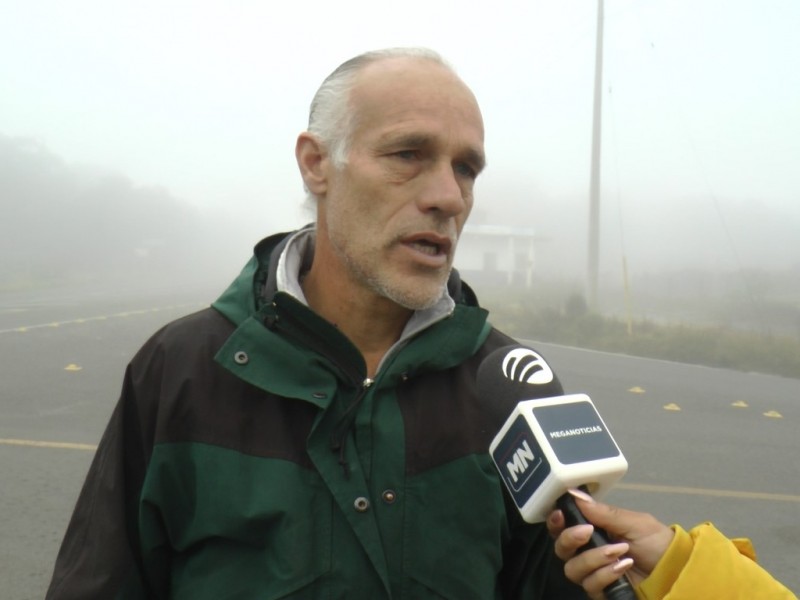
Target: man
[317,432]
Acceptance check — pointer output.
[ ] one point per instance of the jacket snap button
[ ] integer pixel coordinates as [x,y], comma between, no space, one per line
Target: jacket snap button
[389,496]
[361,504]
[241,358]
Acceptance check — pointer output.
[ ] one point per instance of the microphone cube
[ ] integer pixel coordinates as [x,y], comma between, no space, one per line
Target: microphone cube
[551,444]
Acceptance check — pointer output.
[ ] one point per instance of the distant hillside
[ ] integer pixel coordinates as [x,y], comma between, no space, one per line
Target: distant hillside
[64,223]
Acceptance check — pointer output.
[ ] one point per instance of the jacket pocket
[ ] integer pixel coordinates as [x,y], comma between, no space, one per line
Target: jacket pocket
[232,525]
[453,541]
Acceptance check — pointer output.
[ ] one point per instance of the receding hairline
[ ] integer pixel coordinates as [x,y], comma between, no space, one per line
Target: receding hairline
[364,60]
[378,66]
[346,74]
[332,116]
[363,85]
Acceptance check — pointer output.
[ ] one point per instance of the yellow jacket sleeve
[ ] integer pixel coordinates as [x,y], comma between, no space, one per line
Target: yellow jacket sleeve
[703,563]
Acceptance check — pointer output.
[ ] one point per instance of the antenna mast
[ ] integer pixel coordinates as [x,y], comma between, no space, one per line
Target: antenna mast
[594,183]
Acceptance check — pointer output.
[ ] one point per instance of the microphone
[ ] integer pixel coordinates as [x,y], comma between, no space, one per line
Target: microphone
[549,443]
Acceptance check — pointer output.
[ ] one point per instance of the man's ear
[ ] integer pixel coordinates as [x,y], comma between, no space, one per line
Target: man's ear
[313,161]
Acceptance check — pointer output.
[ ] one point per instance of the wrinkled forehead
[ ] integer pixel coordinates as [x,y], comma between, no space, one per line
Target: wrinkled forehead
[410,78]
[397,91]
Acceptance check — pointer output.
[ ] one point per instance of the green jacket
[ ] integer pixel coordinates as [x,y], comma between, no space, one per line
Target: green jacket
[250,457]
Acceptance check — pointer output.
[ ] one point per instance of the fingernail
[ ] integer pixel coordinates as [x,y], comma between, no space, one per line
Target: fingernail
[613,550]
[582,532]
[622,565]
[581,495]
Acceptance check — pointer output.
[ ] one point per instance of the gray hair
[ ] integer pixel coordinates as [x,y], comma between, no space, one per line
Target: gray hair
[330,117]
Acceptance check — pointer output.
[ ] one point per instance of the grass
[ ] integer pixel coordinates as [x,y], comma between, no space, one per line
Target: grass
[713,346]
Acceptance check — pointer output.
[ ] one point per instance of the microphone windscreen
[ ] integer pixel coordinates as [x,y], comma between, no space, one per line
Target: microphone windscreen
[514,373]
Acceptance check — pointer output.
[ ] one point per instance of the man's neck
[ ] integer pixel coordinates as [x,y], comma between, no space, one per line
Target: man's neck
[373,323]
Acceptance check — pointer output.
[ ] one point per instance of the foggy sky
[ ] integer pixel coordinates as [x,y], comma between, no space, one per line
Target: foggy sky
[701,135]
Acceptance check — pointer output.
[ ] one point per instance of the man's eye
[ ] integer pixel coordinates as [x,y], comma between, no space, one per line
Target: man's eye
[406,154]
[465,170]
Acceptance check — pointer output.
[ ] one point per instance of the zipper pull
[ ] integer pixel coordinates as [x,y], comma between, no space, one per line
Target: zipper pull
[345,423]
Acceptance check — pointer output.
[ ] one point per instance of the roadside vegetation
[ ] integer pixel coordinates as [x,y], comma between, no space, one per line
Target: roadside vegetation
[573,324]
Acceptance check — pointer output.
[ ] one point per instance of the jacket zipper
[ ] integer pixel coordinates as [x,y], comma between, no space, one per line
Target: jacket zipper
[338,439]
[345,424]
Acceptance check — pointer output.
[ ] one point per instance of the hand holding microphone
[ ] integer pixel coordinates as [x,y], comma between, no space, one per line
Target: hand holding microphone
[640,536]
[551,444]
[552,450]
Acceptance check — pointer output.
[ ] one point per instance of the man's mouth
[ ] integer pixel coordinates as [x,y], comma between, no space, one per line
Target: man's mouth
[429,248]
[430,244]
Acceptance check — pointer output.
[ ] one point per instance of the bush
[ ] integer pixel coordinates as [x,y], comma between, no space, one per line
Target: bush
[575,325]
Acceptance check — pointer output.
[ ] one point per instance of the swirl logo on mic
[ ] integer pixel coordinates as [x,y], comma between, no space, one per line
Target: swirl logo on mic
[526,366]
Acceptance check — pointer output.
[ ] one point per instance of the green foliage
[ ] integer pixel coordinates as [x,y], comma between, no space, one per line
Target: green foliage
[712,346]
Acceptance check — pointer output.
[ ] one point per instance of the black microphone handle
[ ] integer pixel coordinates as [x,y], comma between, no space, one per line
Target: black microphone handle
[621,589]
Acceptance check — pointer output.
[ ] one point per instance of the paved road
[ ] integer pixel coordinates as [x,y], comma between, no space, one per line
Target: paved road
[62,358]
[701,443]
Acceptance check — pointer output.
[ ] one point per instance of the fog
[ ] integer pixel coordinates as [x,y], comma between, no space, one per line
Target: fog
[155,140]
[78,226]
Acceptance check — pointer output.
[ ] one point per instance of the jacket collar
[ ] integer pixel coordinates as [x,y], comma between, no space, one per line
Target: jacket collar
[276,264]
[276,332]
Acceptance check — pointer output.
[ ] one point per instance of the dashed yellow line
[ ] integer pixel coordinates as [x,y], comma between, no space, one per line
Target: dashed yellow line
[670,489]
[44,444]
[26,328]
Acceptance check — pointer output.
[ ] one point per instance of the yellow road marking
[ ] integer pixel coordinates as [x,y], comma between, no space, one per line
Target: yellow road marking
[670,489]
[43,444]
[26,328]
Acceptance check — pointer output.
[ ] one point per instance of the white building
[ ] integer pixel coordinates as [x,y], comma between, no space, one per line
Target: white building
[497,253]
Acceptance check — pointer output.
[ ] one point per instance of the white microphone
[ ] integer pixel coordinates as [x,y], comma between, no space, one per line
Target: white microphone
[549,444]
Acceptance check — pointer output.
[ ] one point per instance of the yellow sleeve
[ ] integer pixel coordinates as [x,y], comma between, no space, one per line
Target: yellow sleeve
[703,563]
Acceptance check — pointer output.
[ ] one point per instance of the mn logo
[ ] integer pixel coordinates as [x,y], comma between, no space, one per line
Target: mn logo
[522,465]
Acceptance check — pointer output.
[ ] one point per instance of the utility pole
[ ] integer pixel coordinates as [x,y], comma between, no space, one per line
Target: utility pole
[594,182]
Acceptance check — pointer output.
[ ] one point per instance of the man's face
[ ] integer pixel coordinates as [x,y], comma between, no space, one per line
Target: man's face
[393,213]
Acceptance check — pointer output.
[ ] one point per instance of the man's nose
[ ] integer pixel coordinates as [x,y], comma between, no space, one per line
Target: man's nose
[443,191]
